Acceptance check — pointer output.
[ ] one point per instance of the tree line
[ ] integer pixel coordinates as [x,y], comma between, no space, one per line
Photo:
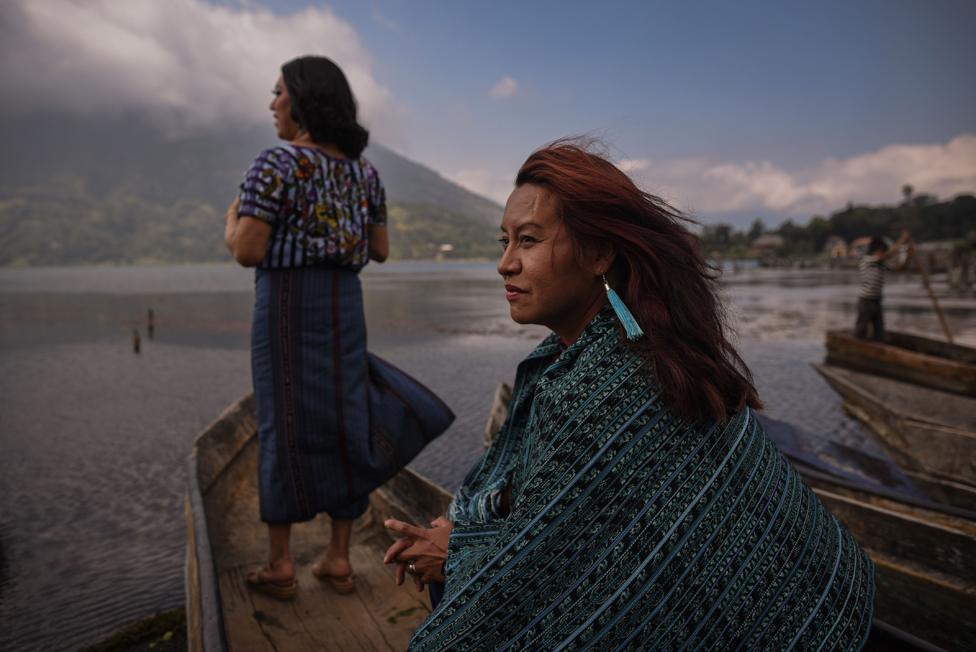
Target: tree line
[923,215]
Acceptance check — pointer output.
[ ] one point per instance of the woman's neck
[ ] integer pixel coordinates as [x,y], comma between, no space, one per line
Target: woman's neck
[304,139]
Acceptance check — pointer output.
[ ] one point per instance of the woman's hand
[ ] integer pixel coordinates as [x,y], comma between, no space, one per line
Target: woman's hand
[231,213]
[426,548]
[230,224]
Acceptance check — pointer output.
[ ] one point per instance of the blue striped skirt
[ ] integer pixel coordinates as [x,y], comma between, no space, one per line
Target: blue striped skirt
[334,422]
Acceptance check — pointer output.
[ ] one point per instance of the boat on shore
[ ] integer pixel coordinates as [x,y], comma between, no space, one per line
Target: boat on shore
[926,572]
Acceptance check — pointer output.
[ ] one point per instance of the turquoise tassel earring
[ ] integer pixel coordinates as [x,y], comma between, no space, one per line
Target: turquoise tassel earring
[630,324]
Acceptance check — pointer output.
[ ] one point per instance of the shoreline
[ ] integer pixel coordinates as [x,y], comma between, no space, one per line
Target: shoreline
[164,631]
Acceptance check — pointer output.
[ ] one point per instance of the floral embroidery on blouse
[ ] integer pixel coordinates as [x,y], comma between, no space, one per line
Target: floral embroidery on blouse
[319,207]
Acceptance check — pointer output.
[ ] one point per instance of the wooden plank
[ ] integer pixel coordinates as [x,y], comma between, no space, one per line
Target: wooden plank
[924,607]
[937,544]
[925,430]
[883,359]
[938,348]
[947,492]
[191,581]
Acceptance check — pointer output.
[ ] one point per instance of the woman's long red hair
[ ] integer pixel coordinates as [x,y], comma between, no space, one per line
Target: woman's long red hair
[660,274]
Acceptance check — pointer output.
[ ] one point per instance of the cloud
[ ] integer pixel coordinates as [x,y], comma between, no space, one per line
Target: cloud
[183,62]
[494,185]
[707,187]
[504,88]
[631,165]
[380,19]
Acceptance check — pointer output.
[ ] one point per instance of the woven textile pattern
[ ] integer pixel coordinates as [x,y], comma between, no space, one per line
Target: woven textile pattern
[631,528]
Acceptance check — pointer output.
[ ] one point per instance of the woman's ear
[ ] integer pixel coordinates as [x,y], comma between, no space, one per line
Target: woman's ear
[602,258]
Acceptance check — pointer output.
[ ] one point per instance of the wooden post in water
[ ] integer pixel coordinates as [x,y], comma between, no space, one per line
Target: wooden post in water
[928,288]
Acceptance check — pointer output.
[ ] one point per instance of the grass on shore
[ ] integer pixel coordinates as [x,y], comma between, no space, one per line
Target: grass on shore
[162,632]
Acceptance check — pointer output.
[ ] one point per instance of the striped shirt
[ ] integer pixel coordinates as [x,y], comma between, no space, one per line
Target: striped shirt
[319,207]
[872,277]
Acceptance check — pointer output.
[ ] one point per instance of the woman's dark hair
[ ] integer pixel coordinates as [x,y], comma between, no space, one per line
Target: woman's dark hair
[659,272]
[322,103]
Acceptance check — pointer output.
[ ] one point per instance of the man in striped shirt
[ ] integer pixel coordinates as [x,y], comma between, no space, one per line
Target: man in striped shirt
[872,266]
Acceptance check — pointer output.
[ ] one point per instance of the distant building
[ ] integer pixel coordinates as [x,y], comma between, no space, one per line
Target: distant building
[768,243]
[444,251]
[835,247]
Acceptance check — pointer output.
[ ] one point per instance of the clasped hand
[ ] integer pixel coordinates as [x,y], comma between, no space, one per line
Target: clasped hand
[426,548]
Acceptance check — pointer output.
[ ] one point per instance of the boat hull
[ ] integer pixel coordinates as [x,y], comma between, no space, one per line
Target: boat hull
[925,430]
[907,358]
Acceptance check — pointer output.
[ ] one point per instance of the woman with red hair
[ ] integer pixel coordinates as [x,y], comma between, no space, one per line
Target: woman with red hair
[631,500]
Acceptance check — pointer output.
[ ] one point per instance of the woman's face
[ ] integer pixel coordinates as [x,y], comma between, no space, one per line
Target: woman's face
[545,281]
[285,125]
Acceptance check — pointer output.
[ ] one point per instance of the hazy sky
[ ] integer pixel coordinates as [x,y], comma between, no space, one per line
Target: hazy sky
[780,108]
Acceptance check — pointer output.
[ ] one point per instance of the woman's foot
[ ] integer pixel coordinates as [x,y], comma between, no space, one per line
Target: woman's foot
[276,579]
[336,571]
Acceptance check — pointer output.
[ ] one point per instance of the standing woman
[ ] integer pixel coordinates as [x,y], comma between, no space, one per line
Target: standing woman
[310,214]
[631,501]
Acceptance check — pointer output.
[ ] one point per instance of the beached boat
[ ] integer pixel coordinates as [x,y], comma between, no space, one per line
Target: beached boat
[907,358]
[927,431]
[225,539]
[926,572]
[922,546]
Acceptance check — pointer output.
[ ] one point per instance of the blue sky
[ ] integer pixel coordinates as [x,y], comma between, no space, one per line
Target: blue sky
[729,109]
[790,83]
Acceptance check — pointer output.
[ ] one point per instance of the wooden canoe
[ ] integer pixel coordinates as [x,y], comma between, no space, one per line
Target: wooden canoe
[926,430]
[225,539]
[907,358]
[926,572]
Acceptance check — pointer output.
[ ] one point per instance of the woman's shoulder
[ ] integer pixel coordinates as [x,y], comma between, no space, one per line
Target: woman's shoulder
[370,173]
[280,157]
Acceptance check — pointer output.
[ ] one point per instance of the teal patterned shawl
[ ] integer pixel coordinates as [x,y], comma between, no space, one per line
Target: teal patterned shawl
[631,528]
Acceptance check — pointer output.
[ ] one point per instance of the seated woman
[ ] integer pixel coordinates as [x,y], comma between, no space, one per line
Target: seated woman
[631,500]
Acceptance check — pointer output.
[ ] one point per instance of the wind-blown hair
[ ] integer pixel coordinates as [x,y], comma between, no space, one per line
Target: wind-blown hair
[659,272]
[322,103]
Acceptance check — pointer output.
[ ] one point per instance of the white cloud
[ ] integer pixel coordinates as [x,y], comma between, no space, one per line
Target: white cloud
[184,62]
[504,88]
[494,185]
[631,165]
[380,19]
[708,187]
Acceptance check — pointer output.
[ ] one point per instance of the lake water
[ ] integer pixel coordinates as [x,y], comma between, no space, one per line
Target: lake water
[94,439]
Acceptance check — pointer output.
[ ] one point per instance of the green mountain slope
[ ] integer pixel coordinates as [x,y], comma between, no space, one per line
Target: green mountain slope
[78,191]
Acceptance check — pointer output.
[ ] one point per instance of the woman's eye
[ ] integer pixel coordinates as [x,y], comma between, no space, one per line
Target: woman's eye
[503,242]
[527,239]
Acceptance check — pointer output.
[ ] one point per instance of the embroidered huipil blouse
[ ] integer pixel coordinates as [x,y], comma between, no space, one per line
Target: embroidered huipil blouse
[319,207]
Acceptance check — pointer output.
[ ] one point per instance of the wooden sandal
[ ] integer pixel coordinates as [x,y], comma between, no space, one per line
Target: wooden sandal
[257,580]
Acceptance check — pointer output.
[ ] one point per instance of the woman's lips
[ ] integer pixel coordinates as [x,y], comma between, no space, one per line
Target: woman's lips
[512,292]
